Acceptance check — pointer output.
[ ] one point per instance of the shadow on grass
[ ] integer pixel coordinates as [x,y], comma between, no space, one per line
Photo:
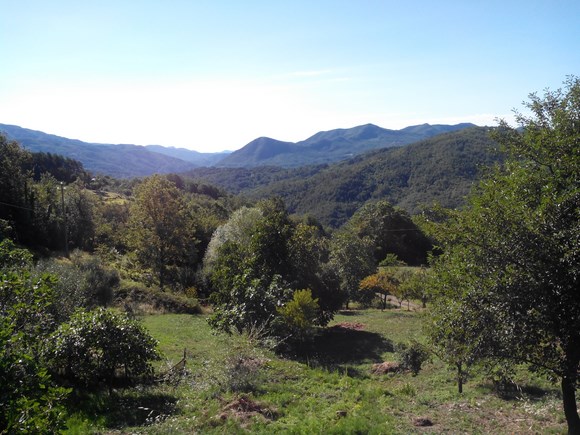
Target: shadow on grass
[126,408]
[510,391]
[349,312]
[337,346]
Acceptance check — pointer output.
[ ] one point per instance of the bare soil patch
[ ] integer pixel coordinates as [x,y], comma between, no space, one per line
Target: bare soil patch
[353,326]
[386,367]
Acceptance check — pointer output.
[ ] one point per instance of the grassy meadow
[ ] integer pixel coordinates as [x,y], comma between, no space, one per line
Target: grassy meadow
[232,385]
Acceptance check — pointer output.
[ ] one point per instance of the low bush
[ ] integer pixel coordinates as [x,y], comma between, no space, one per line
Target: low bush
[300,314]
[412,356]
[97,346]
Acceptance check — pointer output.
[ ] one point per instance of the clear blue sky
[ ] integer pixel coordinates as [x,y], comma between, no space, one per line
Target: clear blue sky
[213,75]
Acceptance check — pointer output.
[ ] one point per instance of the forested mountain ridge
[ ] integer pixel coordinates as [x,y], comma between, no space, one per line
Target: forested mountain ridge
[126,161]
[120,161]
[441,169]
[330,146]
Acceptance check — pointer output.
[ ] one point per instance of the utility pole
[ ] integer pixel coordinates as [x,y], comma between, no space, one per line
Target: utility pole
[64,219]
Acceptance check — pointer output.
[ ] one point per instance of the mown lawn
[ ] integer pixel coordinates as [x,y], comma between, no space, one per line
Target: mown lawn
[233,386]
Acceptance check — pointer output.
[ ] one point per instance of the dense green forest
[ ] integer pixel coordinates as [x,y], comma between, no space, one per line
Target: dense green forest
[288,268]
[437,170]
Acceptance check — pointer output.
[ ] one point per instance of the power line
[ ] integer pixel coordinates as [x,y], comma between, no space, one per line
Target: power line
[16,206]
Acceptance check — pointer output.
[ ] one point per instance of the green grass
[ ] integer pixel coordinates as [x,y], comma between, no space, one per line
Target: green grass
[233,386]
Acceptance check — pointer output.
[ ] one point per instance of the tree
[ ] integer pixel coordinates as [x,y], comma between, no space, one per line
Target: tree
[415,285]
[249,304]
[382,283]
[80,210]
[160,230]
[15,196]
[390,231]
[301,313]
[309,249]
[238,229]
[258,260]
[512,259]
[352,259]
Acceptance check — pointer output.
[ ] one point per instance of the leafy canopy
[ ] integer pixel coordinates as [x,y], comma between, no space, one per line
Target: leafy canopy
[507,283]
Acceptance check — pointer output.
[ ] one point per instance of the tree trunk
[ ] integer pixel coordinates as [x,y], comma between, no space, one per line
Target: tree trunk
[459,379]
[570,409]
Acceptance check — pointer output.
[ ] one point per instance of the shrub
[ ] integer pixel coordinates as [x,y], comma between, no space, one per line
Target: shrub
[95,345]
[29,403]
[412,356]
[83,282]
[12,257]
[99,281]
[301,313]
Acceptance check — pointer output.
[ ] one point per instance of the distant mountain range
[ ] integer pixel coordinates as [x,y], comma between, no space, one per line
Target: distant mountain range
[124,161]
[121,161]
[330,146]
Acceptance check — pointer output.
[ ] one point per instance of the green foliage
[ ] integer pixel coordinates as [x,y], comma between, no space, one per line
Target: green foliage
[137,299]
[257,259]
[111,219]
[412,356]
[62,168]
[390,231]
[269,245]
[79,206]
[12,258]
[16,200]
[237,230]
[301,313]
[351,259]
[161,232]
[309,252]
[93,346]
[437,170]
[507,283]
[415,285]
[250,303]
[391,259]
[29,403]
[98,281]
[82,282]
